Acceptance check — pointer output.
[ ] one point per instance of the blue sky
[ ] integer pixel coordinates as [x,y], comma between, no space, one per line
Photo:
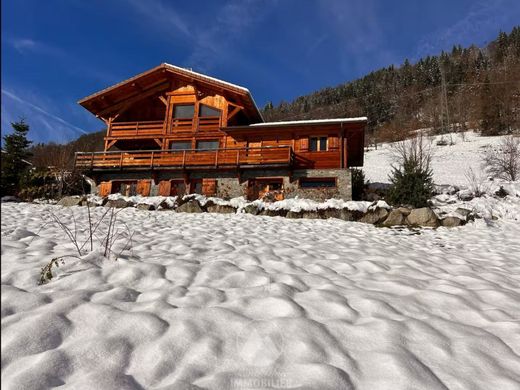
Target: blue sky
[55,52]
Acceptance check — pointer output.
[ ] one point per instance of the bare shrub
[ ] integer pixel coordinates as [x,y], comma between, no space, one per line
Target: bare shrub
[504,161]
[476,182]
[100,234]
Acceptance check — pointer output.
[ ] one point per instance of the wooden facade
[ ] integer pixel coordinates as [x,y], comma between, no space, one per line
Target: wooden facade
[183,124]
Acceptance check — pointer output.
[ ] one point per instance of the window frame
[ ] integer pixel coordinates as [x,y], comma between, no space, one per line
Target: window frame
[317,179]
[183,105]
[219,112]
[207,149]
[318,143]
[181,141]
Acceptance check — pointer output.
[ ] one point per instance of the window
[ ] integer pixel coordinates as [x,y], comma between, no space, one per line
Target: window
[212,145]
[180,145]
[184,111]
[208,111]
[317,182]
[317,144]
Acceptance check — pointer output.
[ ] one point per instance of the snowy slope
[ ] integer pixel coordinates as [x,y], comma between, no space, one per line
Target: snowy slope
[450,163]
[210,301]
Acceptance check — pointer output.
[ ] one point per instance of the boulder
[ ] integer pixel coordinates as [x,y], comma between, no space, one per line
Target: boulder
[9,198]
[191,206]
[349,215]
[71,201]
[452,222]
[462,211]
[274,213]
[405,210]
[251,209]
[145,206]
[395,217]
[465,195]
[119,203]
[310,215]
[423,217]
[89,203]
[221,209]
[331,213]
[374,216]
[294,214]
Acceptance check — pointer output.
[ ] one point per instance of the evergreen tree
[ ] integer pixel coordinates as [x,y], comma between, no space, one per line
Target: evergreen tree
[14,158]
[411,185]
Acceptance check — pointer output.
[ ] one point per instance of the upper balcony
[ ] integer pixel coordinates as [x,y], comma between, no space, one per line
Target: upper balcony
[282,156]
[151,129]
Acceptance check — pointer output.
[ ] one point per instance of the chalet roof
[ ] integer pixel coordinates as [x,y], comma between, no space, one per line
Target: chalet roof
[309,122]
[241,93]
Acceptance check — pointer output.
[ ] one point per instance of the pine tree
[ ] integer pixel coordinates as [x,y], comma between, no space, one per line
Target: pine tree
[14,158]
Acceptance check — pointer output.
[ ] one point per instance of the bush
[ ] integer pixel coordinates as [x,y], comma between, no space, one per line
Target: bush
[504,162]
[358,184]
[412,177]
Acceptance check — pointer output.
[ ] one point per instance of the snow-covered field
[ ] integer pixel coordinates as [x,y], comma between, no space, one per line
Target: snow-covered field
[450,163]
[211,301]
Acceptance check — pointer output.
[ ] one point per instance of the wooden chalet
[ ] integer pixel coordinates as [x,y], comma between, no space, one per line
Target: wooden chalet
[172,131]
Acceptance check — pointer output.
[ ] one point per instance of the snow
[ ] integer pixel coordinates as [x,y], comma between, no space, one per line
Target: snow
[213,301]
[311,121]
[450,162]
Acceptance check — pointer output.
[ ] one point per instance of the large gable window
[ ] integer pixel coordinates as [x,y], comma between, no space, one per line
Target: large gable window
[317,144]
[184,111]
[205,111]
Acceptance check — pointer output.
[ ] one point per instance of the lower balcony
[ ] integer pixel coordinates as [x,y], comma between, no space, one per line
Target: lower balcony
[263,157]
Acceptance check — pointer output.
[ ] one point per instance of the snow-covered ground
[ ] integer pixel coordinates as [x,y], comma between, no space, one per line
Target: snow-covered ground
[450,163]
[211,301]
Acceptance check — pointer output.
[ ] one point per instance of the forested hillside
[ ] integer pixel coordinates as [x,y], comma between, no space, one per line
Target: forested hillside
[481,90]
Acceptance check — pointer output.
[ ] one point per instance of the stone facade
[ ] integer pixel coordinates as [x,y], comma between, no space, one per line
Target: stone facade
[232,184]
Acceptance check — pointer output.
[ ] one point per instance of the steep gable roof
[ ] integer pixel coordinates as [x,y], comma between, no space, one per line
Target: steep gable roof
[160,79]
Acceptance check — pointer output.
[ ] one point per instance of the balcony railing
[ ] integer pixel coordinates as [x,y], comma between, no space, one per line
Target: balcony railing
[186,159]
[156,128]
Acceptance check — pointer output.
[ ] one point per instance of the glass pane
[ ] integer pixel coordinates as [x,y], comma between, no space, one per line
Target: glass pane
[184,111]
[208,111]
[323,143]
[180,145]
[313,144]
[207,145]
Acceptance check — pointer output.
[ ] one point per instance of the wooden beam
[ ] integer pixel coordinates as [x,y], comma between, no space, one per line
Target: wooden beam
[134,98]
[163,99]
[109,144]
[235,111]
[159,142]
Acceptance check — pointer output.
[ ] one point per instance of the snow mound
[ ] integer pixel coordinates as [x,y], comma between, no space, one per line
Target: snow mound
[214,301]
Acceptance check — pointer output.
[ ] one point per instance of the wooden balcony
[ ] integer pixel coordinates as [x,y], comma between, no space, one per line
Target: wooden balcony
[151,129]
[282,156]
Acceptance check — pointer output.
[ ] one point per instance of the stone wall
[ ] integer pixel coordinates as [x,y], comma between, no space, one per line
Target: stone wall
[231,184]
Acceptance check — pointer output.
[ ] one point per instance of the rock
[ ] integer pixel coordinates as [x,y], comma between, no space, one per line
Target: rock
[501,192]
[274,213]
[310,215]
[222,209]
[9,198]
[71,201]
[423,217]
[395,217]
[462,211]
[191,206]
[251,209]
[452,222]
[294,214]
[372,197]
[88,203]
[330,213]
[465,195]
[375,216]
[119,203]
[405,210]
[349,215]
[145,206]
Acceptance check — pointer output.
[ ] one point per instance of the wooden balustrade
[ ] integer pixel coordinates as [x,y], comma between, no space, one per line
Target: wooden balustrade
[191,158]
[136,129]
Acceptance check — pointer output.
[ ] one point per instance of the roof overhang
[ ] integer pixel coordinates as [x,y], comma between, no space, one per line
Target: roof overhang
[101,101]
[299,123]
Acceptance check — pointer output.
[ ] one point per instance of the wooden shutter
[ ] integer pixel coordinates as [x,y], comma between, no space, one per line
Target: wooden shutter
[304,144]
[333,143]
[143,187]
[209,187]
[105,188]
[165,188]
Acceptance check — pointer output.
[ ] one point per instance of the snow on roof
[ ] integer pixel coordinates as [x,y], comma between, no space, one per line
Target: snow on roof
[197,74]
[309,122]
